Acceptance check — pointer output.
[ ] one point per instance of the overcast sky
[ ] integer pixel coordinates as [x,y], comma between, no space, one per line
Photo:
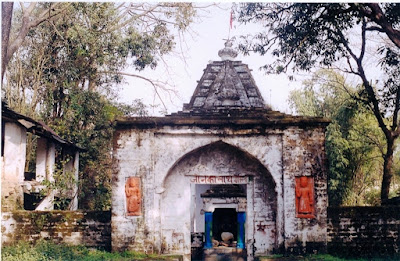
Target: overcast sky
[200,48]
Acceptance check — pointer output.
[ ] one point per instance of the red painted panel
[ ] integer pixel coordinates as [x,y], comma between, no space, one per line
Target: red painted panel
[305,197]
[133,196]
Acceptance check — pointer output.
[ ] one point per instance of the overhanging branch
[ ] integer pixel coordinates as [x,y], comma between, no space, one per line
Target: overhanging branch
[155,85]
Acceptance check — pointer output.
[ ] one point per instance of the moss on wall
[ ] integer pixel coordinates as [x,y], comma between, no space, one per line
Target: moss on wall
[91,228]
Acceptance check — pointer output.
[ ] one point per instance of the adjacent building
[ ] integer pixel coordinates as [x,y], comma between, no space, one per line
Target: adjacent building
[23,186]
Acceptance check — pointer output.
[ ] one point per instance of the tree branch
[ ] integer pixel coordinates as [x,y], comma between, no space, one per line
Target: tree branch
[396,114]
[375,28]
[26,25]
[367,86]
[346,44]
[378,16]
[374,101]
[29,10]
[43,17]
[363,42]
[133,18]
[6,18]
[155,85]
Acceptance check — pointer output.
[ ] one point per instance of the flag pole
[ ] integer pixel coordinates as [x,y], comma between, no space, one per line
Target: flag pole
[230,25]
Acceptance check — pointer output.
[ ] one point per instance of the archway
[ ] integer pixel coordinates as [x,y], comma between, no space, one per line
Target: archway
[183,209]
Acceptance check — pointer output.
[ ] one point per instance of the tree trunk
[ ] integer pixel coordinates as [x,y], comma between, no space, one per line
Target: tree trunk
[387,170]
[6,16]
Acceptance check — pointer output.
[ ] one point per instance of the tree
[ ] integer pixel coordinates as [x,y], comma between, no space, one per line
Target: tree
[168,20]
[30,19]
[65,71]
[354,142]
[304,36]
[6,16]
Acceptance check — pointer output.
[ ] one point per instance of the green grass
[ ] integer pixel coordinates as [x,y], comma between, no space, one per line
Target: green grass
[324,257]
[46,251]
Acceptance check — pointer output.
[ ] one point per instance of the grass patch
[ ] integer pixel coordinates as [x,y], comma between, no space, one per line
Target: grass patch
[324,257]
[46,251]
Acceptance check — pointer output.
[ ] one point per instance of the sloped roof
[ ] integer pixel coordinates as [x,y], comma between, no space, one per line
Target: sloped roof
[225,85]
[32,126]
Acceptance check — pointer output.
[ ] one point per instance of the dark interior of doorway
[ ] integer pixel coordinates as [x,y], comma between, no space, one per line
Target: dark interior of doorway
[32,200]
[224,220]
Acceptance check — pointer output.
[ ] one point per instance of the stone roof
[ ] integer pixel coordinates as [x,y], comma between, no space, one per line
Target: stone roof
[225,85]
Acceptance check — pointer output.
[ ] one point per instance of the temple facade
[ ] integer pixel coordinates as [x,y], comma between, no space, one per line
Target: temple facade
[225,176]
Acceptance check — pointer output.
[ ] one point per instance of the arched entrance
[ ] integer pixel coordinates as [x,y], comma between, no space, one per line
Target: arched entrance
[209,185]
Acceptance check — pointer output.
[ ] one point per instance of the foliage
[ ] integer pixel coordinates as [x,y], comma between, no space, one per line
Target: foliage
[345,36]
[63,183]
[354,142]
[67,62]
[84,50]
[142,19]
[88,122]
[44,251]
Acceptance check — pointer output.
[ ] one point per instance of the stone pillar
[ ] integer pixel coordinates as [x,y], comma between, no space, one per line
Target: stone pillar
[14,166]
[74,204]
[72,166]
[48,202]
[50,161]
[41,157]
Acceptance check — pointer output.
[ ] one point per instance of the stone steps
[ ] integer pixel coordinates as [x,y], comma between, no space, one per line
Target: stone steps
[225,254]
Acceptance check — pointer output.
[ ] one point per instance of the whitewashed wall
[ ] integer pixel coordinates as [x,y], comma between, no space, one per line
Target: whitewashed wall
[163,157]
[13,168]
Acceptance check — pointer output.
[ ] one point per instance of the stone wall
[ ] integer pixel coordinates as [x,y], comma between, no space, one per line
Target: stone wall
[304,155]
[366,231]
[352,231]
[169,158]
[89,228]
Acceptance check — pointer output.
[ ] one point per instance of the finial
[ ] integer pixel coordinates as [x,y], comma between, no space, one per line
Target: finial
[228,53]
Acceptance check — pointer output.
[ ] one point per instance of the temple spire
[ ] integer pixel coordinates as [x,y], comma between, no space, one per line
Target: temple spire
[226,85]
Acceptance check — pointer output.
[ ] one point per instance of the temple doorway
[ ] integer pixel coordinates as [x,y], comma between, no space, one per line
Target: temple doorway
[225,221]
[220,222]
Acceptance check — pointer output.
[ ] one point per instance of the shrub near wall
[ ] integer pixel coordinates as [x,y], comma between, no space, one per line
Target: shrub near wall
[91,228]
[364,231]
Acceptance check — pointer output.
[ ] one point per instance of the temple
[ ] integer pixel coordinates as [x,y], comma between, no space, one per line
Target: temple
[226,176]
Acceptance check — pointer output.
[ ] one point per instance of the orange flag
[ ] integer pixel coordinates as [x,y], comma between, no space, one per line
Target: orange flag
[231,20]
